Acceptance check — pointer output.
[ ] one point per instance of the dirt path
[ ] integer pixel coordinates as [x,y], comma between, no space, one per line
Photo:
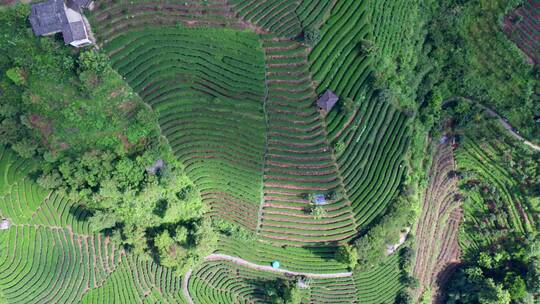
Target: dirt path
[502,121]
[239,261]
[185,289]
[242,262]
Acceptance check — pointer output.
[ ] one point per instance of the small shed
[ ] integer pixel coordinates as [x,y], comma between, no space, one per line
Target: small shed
[319,199]
[156,167]
[275,264]
[302,282]
[4,224]
[537,119]
[327,101]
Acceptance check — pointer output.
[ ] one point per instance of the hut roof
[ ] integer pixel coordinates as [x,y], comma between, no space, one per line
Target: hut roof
[54,16]
[4,224]
[319,199]
[327,100]
[74,31]
[48,17]
[158,165]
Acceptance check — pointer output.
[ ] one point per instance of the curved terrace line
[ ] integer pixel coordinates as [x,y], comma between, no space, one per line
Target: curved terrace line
[223,257]
[242,262]
[506,125]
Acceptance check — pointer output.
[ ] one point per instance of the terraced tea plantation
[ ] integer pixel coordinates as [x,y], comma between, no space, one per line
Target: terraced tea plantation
[522,27]
[303,141]
[49,254]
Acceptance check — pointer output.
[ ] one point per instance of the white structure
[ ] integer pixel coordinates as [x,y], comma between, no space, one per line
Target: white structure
[4,224]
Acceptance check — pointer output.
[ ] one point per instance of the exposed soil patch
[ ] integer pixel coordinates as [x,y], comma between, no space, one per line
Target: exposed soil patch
[437,230]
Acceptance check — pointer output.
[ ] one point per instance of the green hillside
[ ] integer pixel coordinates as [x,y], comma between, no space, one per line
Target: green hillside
[276,151]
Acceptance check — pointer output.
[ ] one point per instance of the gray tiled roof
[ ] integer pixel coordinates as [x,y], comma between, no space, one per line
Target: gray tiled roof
[48,17]
[327,100]
[78,3]
[73,31]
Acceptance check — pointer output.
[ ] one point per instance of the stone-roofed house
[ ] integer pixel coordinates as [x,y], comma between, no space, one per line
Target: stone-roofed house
[56,16]
[327,101]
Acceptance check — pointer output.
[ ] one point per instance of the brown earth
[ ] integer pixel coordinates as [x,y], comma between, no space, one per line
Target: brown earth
[437,246]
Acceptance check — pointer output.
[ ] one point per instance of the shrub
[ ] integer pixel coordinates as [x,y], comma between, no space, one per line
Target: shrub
[366,47]
[312,36]
[339,147]
[93,61]
[406,258]
[233,230]
[16,75]
[318,212]
[348,255]
[282,291]
[404,297]
[26,147]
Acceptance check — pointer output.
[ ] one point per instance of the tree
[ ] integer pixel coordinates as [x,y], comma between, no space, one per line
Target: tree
[312,36]
[516,286]
[294,295]
[93,61]
[16,75]
[366,47]
[348,105]
[282,291]
[409,281]
[339,147]
[233,230]
[25,147]
[347,254]
[493,293]
[406,257]
[404,297]
[533,276]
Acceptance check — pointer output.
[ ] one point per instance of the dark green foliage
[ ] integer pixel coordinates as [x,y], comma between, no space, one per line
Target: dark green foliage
[498,274]
[404,297]
[16,75]
[233,230]
[479,61]
[282,291]
[45,99]
[406,258]
[312,36]
[373,245]
[93,61]
[366,47]
[347,255]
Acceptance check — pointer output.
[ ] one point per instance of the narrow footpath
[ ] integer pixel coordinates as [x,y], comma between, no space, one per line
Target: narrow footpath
[242,262]
[501,120]
[185,289]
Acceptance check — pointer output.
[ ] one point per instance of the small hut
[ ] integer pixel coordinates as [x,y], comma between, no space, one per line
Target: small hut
[302,282]
[275,264]
[4,224]
[327,101]
[156,167]
[319,199]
